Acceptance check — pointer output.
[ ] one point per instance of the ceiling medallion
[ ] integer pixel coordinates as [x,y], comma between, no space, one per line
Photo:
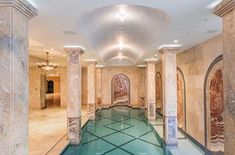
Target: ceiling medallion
[47,65]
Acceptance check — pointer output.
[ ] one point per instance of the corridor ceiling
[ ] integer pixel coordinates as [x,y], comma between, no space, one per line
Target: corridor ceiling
[119,32]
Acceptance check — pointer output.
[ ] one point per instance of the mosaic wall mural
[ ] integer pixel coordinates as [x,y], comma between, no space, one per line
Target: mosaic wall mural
[159,92]
[215,108]
[120,90]
[180,100]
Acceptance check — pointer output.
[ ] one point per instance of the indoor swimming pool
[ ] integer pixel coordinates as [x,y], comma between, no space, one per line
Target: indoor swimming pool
[118,131]
[126,131]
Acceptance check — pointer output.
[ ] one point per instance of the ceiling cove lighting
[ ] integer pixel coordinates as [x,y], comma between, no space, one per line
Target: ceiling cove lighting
[47,65]
[170,46]
[74,46]
[214,4]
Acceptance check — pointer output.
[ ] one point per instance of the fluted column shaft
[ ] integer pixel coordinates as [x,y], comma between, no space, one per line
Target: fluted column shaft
[169,95]
[226,10]
[74,95]
[14,27]
[91,89]
[151,95]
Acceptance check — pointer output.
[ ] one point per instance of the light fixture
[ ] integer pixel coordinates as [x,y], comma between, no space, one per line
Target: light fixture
[47,65]
[214,4]
[122,16]
[175,41]
[170,46]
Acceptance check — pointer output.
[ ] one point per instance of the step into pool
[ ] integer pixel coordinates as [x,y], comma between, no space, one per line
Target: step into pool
[118,131]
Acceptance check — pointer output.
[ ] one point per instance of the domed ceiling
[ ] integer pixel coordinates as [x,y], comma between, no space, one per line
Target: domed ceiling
[120,32]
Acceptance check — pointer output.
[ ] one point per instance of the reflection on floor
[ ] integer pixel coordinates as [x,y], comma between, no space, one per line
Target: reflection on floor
[53,100]
[46,128]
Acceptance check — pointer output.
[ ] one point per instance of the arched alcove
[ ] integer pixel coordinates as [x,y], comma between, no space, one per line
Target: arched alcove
[159,102]
[120,90]
[181,99]
[214,106]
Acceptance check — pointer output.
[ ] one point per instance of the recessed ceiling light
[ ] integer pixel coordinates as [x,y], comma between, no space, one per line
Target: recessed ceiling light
[175,41]
[214,4]
[122,16]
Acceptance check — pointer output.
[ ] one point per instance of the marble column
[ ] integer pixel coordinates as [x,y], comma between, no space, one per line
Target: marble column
[151,95]
[98,86]
[74,95]
[91,89]
[169,95]
[14,55]
[226,10]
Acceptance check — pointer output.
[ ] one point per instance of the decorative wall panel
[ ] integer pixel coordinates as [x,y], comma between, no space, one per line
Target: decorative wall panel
[159,92]
[215,108]
[120,90]
[180,100]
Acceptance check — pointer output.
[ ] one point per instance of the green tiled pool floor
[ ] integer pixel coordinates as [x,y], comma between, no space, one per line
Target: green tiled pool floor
[118,131]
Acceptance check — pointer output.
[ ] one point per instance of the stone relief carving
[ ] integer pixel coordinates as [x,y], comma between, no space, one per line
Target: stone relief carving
[120,90]
[74,131]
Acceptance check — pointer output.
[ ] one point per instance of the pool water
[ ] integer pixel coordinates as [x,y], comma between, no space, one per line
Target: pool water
[118,131]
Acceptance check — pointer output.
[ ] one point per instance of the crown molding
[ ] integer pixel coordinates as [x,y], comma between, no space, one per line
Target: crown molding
[22,6]
[224,7]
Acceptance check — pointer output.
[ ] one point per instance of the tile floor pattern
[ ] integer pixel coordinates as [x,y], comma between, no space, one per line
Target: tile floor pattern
[118,131]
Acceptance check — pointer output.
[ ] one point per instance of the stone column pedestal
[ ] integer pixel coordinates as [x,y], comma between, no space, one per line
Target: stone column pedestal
[169,95]
[91,89]
[14,27]
[74,95]
[151,95]
[226,10]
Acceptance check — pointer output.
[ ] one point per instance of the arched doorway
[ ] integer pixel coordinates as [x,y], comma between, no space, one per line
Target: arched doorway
[159,105]
[120,90]
[181,100]
[214,106]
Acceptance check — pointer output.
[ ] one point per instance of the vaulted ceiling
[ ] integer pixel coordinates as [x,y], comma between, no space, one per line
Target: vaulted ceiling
[119,32]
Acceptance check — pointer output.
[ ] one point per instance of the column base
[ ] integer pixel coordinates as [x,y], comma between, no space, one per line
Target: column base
[74,130]
[151,111]
[91,111]
[170,131]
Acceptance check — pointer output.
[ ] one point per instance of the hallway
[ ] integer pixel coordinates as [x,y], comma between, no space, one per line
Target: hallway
[105,77]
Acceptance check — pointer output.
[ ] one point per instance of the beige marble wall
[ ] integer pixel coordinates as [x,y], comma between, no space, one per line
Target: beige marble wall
[194,63]
[35,83]
[133,74]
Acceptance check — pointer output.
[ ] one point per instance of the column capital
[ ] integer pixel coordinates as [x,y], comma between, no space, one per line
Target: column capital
[224,7]
[22,6]
[91,61]
[74,53]
[169,49]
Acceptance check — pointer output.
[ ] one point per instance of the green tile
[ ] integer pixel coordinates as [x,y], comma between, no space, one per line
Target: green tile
[118,138]
[151,137]
[118,126]
[137,131]
[139,147]
[86,137]
[117,152]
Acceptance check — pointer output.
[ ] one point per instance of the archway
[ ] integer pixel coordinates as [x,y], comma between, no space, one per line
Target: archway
[181,100]
[159,104]
[50,86]
[120,90]
[214,106]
